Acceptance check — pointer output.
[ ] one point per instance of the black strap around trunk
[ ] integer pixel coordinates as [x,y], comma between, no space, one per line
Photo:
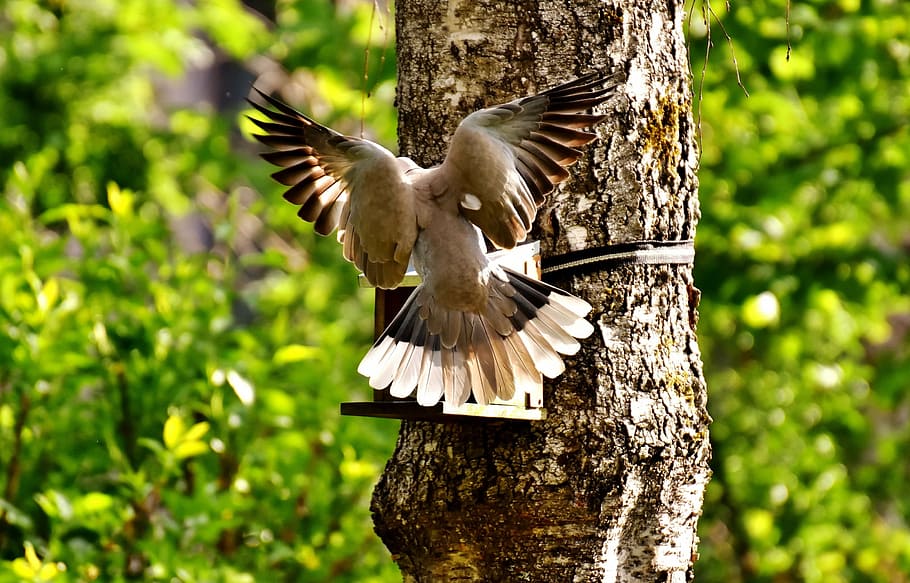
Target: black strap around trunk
[634,253]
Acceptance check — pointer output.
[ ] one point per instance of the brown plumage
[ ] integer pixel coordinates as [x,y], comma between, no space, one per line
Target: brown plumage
[472,326]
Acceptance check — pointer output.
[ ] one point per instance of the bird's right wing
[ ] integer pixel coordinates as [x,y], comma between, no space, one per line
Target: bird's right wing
[503,160]
[345,183]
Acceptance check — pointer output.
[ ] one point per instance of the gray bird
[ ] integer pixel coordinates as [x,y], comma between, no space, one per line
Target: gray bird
[471,325]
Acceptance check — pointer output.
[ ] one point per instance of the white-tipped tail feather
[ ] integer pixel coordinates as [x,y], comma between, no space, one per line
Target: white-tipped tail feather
[526,326]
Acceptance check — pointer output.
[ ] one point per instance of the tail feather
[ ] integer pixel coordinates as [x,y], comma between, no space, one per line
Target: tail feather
[447,361]
[389,367]
[405,381]
[497,368]
[424,391]
[457,382]
[561,341]
[520,337]
[450,330]
[435,385]
[498,317]
[573,304]
[545,357]
[376,355]
[568,321]
[479,350]
[527,377]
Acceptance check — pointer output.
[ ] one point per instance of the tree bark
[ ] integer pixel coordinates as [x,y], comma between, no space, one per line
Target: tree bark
[609,487]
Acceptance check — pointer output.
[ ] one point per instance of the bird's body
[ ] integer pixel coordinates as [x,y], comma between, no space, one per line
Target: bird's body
[471,326]
[455,276]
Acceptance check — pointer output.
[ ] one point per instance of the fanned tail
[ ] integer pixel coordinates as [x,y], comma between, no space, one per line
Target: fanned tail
[519,337]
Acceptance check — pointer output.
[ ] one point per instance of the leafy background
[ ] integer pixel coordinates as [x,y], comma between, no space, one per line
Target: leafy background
[174,344]
[803,255]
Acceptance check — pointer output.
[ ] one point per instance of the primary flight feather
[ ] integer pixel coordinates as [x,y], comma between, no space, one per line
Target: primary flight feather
[471,326]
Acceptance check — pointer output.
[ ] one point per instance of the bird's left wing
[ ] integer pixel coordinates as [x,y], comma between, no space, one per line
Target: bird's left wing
[503,160]
[345,183]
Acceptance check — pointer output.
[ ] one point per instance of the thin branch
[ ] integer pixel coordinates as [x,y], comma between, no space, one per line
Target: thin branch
[125,426]
[365,93]
[729,42]
[704,68]
[385,31]
[366,71]
[787,20]
[14,468]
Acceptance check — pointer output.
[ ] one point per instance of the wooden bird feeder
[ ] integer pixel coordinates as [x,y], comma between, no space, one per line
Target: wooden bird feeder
[524,406]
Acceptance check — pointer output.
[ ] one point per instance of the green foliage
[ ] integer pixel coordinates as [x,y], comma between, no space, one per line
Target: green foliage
[168,407]
[802,259]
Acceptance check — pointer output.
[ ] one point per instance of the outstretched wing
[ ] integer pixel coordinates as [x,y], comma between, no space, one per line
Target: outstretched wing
[503,160]
[345,183]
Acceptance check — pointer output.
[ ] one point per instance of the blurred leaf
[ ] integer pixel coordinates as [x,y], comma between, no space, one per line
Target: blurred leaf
[761,311]
[31,568]
[91,503]
[174,430]
[296,353]
[15,516]
[188,449]
[144,248]
[242,387]
[803,268]
[183,441]
[121,202]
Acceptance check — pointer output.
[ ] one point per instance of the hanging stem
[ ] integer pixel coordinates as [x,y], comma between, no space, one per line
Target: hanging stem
[14,467]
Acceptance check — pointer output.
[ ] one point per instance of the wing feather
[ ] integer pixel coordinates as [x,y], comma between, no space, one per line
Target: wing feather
[344,183]
[511,156]
[305,170]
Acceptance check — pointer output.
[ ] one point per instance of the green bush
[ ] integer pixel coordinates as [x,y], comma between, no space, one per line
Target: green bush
[170,366]
[173,347]
[803,263]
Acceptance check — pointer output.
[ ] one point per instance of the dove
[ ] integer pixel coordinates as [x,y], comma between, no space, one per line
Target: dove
[472,326]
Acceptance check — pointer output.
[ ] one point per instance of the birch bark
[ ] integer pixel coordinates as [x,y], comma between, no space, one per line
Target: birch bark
[610,486]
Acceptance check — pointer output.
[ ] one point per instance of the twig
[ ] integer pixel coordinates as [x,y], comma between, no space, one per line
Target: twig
[729,42]
[125,425]
[364,94]
[787,20]
[14,468]
[385,34]
[366,71]
[704,67]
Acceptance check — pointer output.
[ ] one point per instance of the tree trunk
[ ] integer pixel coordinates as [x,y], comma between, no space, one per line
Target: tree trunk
[609,487]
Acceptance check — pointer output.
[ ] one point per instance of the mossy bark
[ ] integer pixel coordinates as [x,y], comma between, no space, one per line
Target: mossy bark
[609,487]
